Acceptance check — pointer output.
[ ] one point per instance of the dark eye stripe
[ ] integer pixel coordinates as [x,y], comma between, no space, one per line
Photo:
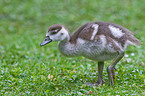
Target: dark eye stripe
[52,33]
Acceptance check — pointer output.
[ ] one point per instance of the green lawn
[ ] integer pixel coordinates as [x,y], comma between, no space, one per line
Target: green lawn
[28,69]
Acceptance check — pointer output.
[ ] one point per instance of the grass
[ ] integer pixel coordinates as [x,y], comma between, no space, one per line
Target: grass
[28,69]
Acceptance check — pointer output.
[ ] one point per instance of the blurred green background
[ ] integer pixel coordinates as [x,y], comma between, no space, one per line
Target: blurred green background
[28,69]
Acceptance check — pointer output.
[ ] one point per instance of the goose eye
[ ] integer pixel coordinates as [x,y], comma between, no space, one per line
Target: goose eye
[53,32]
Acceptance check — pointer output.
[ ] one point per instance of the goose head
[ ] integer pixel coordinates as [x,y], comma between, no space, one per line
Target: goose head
[55,33]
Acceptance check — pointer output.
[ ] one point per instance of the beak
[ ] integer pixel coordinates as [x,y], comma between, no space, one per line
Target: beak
[45,41]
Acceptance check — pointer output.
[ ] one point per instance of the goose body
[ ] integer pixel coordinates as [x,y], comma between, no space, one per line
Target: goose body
[98,41]
[95,50]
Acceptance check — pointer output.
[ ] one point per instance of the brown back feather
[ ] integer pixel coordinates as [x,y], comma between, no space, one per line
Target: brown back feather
[86,30]
[76,33]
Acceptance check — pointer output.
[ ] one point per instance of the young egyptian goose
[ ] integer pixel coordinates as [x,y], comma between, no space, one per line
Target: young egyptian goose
[98,41]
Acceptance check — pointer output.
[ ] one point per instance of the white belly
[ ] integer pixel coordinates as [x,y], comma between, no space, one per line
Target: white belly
[98,51]
[100,57]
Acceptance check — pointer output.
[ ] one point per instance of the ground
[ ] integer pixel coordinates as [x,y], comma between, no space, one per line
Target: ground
[28,69]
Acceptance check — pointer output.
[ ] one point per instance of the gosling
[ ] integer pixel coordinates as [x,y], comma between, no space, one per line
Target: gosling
[98,41]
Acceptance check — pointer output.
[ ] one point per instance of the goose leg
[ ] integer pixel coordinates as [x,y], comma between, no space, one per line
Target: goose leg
[111,67]
[100,80]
